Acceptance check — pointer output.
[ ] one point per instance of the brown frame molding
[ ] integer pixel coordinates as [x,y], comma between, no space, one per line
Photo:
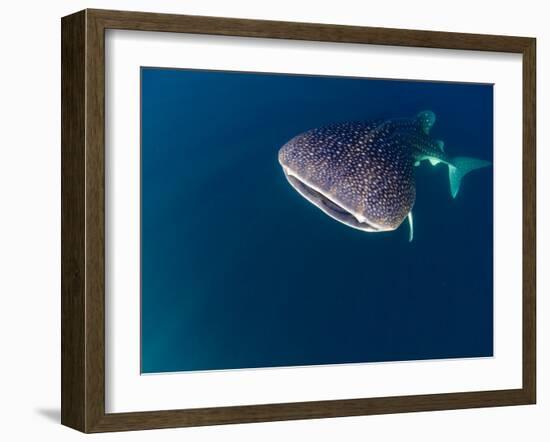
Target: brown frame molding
[83,216]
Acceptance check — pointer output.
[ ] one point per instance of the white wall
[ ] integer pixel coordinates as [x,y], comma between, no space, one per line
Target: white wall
[30,221]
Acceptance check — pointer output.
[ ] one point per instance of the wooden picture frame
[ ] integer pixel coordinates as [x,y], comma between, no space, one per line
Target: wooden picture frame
[83,220]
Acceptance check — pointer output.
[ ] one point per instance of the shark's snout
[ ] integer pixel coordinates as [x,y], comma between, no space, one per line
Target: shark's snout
[330,205]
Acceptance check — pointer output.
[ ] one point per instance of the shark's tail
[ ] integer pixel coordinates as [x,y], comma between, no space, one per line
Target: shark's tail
[460,166]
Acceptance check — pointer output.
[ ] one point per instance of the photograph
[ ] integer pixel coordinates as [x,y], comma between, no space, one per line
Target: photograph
[270,221]
[302,220]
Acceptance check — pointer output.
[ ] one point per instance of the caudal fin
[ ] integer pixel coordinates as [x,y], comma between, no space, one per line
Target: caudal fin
[460,166]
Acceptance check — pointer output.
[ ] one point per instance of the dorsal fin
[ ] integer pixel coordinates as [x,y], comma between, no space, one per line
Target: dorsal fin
[426,119]
[441,145]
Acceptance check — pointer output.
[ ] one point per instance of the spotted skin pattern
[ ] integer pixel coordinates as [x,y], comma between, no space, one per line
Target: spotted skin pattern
[363,168]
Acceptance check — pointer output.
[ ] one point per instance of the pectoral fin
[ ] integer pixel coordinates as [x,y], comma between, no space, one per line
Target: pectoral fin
[410,219]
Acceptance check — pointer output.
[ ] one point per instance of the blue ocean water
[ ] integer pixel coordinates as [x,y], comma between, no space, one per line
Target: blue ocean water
[240,271]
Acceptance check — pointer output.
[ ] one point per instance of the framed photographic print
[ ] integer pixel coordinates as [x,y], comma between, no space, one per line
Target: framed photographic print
[268,220]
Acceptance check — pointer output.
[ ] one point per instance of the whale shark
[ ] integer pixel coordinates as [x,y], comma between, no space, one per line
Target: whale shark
[361,173]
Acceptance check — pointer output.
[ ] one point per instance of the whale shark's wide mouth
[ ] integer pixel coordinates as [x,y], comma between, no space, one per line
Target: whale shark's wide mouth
[329,206]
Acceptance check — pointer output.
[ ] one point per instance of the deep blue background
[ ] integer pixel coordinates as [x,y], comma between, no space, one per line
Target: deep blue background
[239,271]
